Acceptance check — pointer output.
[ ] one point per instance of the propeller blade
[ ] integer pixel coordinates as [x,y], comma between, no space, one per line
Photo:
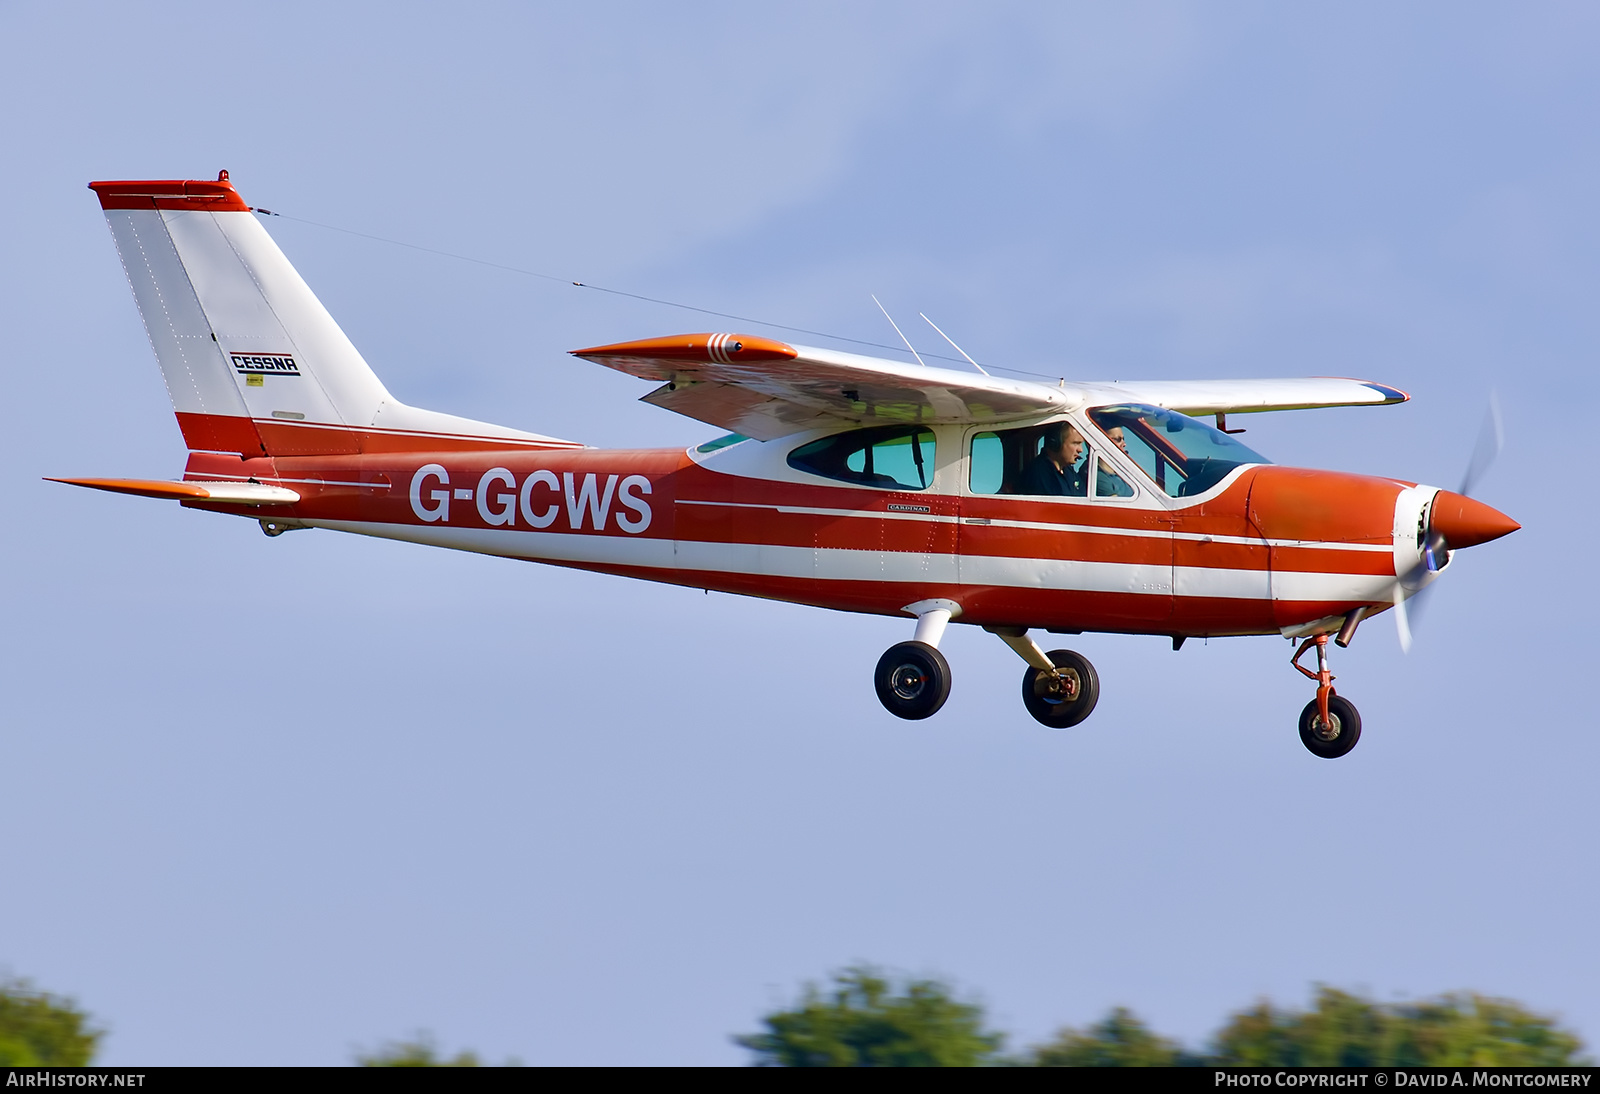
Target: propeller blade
[1417,607]
[1491,439]
[1412,588]
[1465,521]
[1408,612]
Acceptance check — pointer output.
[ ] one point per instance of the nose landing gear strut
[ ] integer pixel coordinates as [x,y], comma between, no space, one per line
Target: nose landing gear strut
[1330,726]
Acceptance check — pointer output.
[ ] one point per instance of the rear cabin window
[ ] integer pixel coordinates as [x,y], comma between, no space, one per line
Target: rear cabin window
[891,458]
[727,440]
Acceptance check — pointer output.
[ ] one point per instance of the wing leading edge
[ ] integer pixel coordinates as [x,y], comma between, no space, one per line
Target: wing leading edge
[767,389]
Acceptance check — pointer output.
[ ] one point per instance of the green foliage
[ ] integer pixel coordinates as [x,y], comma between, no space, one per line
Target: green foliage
[863,1021]
[42,1030]
[1343,1030]
[420,1051]
[1119,1040]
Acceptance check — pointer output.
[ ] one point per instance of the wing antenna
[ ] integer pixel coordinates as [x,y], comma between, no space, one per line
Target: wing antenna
[898,331]
[953,345]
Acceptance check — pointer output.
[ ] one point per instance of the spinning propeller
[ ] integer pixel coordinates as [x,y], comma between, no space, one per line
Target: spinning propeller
[1455,521]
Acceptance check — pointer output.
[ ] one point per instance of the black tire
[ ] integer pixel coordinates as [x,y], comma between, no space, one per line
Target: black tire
[912,680]
[1064,701]
[1330,743]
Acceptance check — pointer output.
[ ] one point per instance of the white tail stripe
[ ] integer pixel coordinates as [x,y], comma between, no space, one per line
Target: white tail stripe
[198,378]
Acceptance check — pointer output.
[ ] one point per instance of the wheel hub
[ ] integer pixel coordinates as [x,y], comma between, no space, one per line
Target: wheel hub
[1064,687]
[907,682]
[1326,731]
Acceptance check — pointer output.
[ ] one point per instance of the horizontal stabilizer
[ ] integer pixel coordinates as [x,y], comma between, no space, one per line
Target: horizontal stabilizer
[236,493]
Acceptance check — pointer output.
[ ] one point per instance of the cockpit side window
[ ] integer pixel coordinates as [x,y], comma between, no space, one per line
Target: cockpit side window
[1041,461]
[1183,456]
[1052,460]
[891,458]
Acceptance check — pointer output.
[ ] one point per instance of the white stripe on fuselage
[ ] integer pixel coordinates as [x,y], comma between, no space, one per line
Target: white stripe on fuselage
[907,567]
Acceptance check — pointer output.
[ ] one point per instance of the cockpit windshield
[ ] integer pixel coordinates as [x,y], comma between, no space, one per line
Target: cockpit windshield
[1182,455]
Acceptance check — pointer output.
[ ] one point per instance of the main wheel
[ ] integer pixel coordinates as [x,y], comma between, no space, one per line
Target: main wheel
[1063,700]
[1338,736]
[913,680]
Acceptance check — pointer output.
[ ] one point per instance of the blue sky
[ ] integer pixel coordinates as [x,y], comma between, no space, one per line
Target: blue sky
[271,801]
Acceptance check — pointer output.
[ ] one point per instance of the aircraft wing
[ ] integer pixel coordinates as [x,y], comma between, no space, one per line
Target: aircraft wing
[1251,396]
[767,389]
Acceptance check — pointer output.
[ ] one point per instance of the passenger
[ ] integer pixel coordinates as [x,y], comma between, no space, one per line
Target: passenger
[1107,483]
[1053,472]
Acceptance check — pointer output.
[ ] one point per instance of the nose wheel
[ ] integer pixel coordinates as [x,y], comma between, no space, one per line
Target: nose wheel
[1330,726]
[1333,736]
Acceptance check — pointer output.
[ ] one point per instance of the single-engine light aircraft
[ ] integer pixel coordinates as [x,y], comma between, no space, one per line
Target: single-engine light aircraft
[847,482]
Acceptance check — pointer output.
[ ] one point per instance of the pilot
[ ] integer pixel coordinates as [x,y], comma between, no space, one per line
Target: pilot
[1053,472]
[1107,483]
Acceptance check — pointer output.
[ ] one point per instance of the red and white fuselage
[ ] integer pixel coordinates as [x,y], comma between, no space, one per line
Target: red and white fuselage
[1252,556]
[287,424]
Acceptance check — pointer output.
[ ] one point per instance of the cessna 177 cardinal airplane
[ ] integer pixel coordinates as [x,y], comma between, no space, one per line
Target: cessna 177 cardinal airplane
[849,482]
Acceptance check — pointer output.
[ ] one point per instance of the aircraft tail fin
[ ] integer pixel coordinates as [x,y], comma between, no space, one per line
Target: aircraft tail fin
[253,362]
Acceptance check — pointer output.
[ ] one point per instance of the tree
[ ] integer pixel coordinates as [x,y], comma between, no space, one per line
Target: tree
[1344,1030]
[42,1030]
[864,1021]
[1119,1040]
[419,1051]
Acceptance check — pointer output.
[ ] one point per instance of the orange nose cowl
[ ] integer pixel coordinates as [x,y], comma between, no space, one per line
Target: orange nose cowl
[1467,523]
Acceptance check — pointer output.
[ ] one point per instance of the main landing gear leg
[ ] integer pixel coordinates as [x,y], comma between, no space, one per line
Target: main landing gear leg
[1059,688]
[1329,725]
[913,678]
